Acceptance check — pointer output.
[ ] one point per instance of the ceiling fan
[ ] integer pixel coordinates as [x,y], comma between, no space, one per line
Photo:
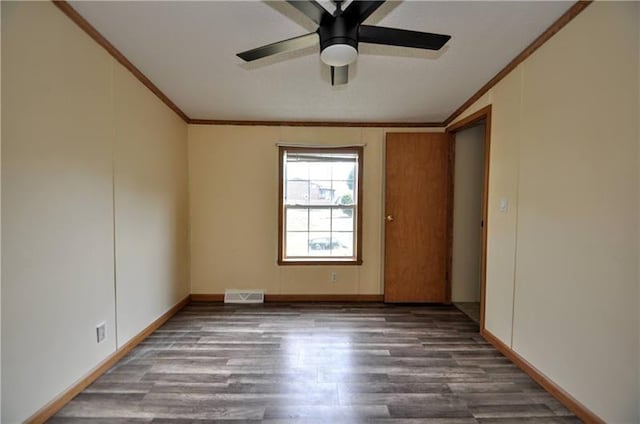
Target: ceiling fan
[340,34]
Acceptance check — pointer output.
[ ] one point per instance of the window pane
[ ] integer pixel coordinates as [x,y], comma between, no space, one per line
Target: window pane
[343,194]
[319,171]
[320,219]
[342,219]
[297,219]
[297,192]
[344,171]
[342,244]
[319,244]
[297,171]
[297,244]
[321,192]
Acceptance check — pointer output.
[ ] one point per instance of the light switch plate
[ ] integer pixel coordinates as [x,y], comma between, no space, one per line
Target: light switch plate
[504,204]
[101,331]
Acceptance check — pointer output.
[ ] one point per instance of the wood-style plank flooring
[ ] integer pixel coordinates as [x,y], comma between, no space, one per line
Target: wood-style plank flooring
[315,363]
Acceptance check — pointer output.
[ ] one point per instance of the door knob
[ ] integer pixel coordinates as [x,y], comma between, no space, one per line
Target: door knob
[389,218]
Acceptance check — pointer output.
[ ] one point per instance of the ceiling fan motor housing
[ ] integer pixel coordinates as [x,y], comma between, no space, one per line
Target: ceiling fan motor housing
[340,31]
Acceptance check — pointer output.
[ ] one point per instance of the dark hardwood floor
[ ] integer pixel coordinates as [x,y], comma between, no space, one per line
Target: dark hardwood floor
[315,363]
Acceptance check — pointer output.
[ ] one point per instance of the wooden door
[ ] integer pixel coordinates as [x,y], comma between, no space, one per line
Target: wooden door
[417,199]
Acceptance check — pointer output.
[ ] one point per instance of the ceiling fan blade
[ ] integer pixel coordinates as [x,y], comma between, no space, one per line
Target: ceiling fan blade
[401,37]
[280,47]
[339,75]
[358,11]
[311,9]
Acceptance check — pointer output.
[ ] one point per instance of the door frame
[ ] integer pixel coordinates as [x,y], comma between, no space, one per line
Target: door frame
[483,114]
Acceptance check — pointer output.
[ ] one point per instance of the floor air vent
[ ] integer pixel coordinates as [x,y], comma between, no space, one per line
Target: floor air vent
[244,296]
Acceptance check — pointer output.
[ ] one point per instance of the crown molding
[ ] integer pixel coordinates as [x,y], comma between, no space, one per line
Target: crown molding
[318,123]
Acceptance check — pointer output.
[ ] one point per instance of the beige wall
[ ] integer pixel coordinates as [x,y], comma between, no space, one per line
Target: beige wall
[562,277]
[68,110]
[233,184]
[57,216]
[151,230]
[467,214]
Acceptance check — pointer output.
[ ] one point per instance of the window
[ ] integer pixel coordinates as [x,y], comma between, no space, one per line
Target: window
[320,199]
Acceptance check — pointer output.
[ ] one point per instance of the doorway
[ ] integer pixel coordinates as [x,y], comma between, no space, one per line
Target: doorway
[470,165]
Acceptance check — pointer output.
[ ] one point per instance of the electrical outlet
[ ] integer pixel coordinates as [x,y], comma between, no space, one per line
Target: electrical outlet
[101,331]
[334,277]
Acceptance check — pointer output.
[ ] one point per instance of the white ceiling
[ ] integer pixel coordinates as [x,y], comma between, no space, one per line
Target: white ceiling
[188,49]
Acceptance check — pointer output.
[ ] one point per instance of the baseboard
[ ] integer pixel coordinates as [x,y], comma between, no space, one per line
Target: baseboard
[560,394]
[298,298]
[62,399]
[207,298]
[323,298]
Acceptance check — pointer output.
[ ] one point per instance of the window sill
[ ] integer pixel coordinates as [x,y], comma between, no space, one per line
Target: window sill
[321,262]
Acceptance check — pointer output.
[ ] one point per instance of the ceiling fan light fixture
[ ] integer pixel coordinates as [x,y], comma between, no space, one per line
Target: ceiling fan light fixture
[339,55]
